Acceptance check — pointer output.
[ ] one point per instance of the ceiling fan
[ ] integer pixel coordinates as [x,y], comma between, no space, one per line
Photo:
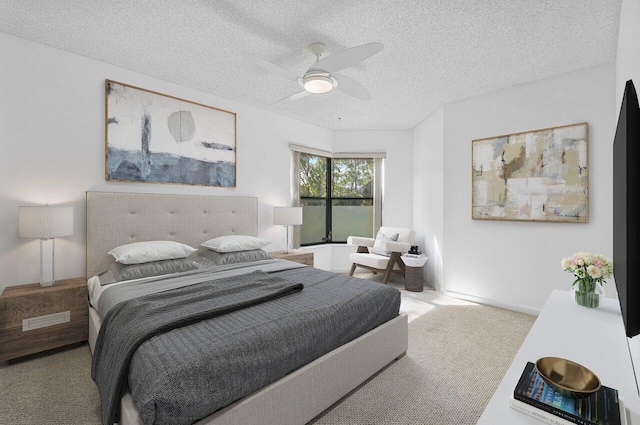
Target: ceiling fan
[320,77]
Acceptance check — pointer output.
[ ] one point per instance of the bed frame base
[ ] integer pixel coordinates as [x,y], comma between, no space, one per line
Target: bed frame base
[305,393]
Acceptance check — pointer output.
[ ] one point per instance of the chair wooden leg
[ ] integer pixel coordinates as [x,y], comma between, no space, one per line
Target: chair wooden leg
[401,265]
[387,273]
[353,269]
[395,257]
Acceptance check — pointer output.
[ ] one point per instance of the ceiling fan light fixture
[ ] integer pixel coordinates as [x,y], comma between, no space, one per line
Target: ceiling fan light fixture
[318,84]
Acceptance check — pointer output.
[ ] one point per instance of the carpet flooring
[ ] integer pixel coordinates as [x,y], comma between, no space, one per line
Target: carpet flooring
[457,356]
[458,353]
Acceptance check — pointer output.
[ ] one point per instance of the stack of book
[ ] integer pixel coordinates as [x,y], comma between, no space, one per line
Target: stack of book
[535,398]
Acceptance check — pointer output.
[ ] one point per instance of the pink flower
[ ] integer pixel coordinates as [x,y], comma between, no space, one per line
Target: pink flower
[594,272]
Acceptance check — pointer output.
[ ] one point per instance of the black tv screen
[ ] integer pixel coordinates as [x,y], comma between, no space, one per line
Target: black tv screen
[626,210]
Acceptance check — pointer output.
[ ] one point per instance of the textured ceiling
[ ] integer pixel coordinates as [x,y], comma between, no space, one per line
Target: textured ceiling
[436,51]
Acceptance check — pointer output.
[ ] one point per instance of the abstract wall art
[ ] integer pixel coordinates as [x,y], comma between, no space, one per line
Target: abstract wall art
[539,175]
[155,138]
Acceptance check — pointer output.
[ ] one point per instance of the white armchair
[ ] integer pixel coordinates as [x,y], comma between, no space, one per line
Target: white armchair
[380,255]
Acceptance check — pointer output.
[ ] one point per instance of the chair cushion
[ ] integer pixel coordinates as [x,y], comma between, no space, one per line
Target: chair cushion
[371,260]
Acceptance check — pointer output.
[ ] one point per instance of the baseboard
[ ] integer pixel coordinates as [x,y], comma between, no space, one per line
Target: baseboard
[495,303]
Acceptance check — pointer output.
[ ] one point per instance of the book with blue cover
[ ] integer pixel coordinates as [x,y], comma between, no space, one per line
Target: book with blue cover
[601,408]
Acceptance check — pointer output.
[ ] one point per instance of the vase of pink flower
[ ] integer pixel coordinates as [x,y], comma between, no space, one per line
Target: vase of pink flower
[590,271]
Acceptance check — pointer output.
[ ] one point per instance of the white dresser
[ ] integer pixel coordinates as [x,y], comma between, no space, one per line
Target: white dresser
[594,338]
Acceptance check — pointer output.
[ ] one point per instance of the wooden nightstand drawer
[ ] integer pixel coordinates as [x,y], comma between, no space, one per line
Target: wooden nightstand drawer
[18,303]
[298,256]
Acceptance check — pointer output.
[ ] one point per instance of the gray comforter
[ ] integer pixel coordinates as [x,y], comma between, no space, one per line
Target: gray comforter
[184,373]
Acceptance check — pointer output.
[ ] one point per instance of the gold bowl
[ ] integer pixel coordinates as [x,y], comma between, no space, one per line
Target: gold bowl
[568,378]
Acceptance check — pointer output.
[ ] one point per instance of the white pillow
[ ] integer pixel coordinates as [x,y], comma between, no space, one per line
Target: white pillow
[145,252]
[233,243]
[380,237]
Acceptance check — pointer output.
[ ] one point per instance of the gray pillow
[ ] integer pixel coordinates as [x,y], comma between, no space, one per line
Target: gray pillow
[382,237]
[222,258]
[119,272]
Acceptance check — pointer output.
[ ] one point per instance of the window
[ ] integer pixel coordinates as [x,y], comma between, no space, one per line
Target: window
[337,196]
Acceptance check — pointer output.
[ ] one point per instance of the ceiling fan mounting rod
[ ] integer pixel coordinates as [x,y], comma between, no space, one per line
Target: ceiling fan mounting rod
[317,49]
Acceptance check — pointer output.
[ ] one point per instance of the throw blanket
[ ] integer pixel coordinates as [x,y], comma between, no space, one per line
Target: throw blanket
[139,319]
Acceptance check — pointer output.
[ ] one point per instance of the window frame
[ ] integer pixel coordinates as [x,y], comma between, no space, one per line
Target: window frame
[329,198]
[378,182]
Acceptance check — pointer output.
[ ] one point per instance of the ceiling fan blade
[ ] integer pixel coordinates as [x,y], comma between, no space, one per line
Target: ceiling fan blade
[295,96]
[352,87]
[346,58]
[270,66]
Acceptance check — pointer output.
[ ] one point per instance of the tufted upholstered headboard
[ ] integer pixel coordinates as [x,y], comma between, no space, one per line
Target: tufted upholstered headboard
[115,219]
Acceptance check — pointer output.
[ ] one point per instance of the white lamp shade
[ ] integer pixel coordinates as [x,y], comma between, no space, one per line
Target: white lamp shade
[45,222]
[287,215]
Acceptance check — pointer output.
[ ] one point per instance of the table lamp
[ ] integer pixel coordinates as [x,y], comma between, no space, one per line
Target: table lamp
[46,223]
[287,216]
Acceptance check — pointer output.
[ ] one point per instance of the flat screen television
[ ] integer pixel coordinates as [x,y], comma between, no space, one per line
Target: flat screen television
[626,210]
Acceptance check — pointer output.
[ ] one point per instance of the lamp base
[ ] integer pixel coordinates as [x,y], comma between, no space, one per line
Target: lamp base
[47,259]
[287,241]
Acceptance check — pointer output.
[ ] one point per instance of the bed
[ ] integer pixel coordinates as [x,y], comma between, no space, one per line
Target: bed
[115,219]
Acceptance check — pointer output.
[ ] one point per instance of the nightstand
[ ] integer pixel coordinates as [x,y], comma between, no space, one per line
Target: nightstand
[35,318]
[297,255]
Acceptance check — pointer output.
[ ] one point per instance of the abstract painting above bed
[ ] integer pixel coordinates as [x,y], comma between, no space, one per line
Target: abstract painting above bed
[156,138]
[539,175]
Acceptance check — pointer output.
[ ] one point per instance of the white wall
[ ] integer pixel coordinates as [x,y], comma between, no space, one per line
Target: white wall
[398,177]
[428,169]
[52,138]
[52,121]
[628,56]
[517,264]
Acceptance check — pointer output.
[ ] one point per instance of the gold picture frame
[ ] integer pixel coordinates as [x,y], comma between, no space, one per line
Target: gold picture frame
[538,175]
